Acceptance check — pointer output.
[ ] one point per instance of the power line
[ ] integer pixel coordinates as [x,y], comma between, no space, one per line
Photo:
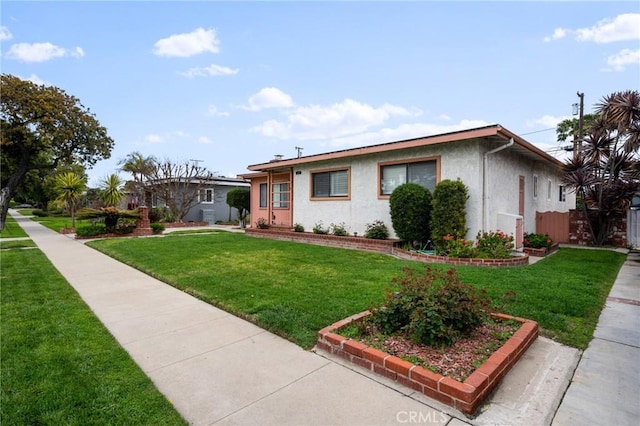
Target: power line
[538,131]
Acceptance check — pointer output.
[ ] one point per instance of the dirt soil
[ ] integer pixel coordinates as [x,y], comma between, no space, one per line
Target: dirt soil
[457,361]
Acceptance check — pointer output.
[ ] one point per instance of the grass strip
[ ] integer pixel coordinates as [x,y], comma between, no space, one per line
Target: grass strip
[60,366]
[295,289]
[12,229]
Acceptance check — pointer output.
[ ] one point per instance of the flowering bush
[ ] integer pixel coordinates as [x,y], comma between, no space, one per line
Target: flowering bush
[537,240]
[494,245]
[458,247]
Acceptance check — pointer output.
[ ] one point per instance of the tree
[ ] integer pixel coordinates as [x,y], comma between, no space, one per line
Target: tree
[112,190]
[42,127]
[606,174]
[410,208]
[140,168]
[448,214]
[240,199]
[178,184]
[70,187]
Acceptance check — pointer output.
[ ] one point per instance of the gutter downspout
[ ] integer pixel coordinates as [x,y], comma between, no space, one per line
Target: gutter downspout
[485,213]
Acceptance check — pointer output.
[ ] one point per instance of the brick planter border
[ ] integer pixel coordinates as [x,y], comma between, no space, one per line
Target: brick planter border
[432,258]
[380,246]
[541,252]
[464,396]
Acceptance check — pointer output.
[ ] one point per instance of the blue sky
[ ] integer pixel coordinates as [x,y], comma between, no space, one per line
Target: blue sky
[234,83]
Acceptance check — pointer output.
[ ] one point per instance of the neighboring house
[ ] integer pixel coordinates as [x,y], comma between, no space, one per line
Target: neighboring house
[211,203]
[508,178]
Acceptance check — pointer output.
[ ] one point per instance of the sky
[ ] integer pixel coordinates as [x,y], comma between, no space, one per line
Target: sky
[230,84]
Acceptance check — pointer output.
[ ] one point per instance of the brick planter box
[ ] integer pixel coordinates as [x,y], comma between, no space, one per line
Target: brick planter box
[432,258]
[358,243]
[464,396]
[541,252]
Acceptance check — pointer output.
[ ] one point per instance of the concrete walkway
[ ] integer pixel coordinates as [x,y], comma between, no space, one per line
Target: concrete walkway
[605,389]
[218,369]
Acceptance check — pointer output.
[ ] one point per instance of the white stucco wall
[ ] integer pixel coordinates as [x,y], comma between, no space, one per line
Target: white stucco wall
[463,160]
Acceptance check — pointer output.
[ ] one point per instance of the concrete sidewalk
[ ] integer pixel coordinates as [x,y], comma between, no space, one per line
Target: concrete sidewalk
[606,385]
[218,369]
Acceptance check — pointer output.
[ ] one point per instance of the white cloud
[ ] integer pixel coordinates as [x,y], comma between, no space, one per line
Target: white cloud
[36,80]
[558,33]
[214,112]
[403,132]
[444,117]
[5,34]
[210,71]
[205,140]
[269,97]
[547,121]
[348,117]
[623,58]
[153,139]
[188,44]
[622,27]
[41,52]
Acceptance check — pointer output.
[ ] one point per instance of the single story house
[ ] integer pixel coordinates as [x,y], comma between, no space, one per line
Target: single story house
[210,204]
[508,179]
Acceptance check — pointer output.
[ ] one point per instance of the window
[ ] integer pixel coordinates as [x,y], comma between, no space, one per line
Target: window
[330,184]
[535,186]
[280,195]
[423,173]
[562,193]
[206,196]
[263,195]
[549,189]
[157,201]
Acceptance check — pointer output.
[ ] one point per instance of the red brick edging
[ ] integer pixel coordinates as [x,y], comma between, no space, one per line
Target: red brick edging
[432,258]
[541,252]
[465,396]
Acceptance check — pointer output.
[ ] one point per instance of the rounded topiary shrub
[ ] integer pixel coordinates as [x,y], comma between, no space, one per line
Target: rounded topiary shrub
[410,208]
[448,212]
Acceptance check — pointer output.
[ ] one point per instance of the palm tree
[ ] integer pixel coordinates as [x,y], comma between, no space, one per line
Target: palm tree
[111,190]
[140,168]
[70,187]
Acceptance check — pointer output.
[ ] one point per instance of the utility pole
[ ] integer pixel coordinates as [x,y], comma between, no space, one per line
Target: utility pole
[299,149]
[580,122]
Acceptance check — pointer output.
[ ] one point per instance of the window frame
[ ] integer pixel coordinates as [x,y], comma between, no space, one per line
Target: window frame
[330,171]
[263,203]
[279,204]
[206,191]
[535,186]
[549,189]
[406,162]
[562,193]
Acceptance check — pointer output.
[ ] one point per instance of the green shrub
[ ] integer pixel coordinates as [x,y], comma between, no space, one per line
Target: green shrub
[458,247]
[410,207]
[91,230]
[319,228]
[340,230]
[124,226]
[298,227]
[494,245]
[377,230]
[448,213]
[39,213]
[157,227]
[537,240]
[433,308]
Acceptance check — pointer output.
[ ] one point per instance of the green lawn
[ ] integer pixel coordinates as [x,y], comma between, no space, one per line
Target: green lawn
[12,229]
[59,365]
[296,289]
[56,223]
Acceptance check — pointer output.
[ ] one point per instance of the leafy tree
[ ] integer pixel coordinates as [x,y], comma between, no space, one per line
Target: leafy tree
[112,190]
[178,184]
[239,198]
[606,174]
[140,168]
[448,214]
[410,208]
[42,127]
[70,187]
[571,126]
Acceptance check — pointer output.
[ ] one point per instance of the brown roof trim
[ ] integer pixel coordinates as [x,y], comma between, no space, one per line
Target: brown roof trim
[480,132]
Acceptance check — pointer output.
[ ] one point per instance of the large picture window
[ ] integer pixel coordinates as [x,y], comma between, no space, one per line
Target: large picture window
[280,195]
[393,175]
[334,183]
[263,195]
